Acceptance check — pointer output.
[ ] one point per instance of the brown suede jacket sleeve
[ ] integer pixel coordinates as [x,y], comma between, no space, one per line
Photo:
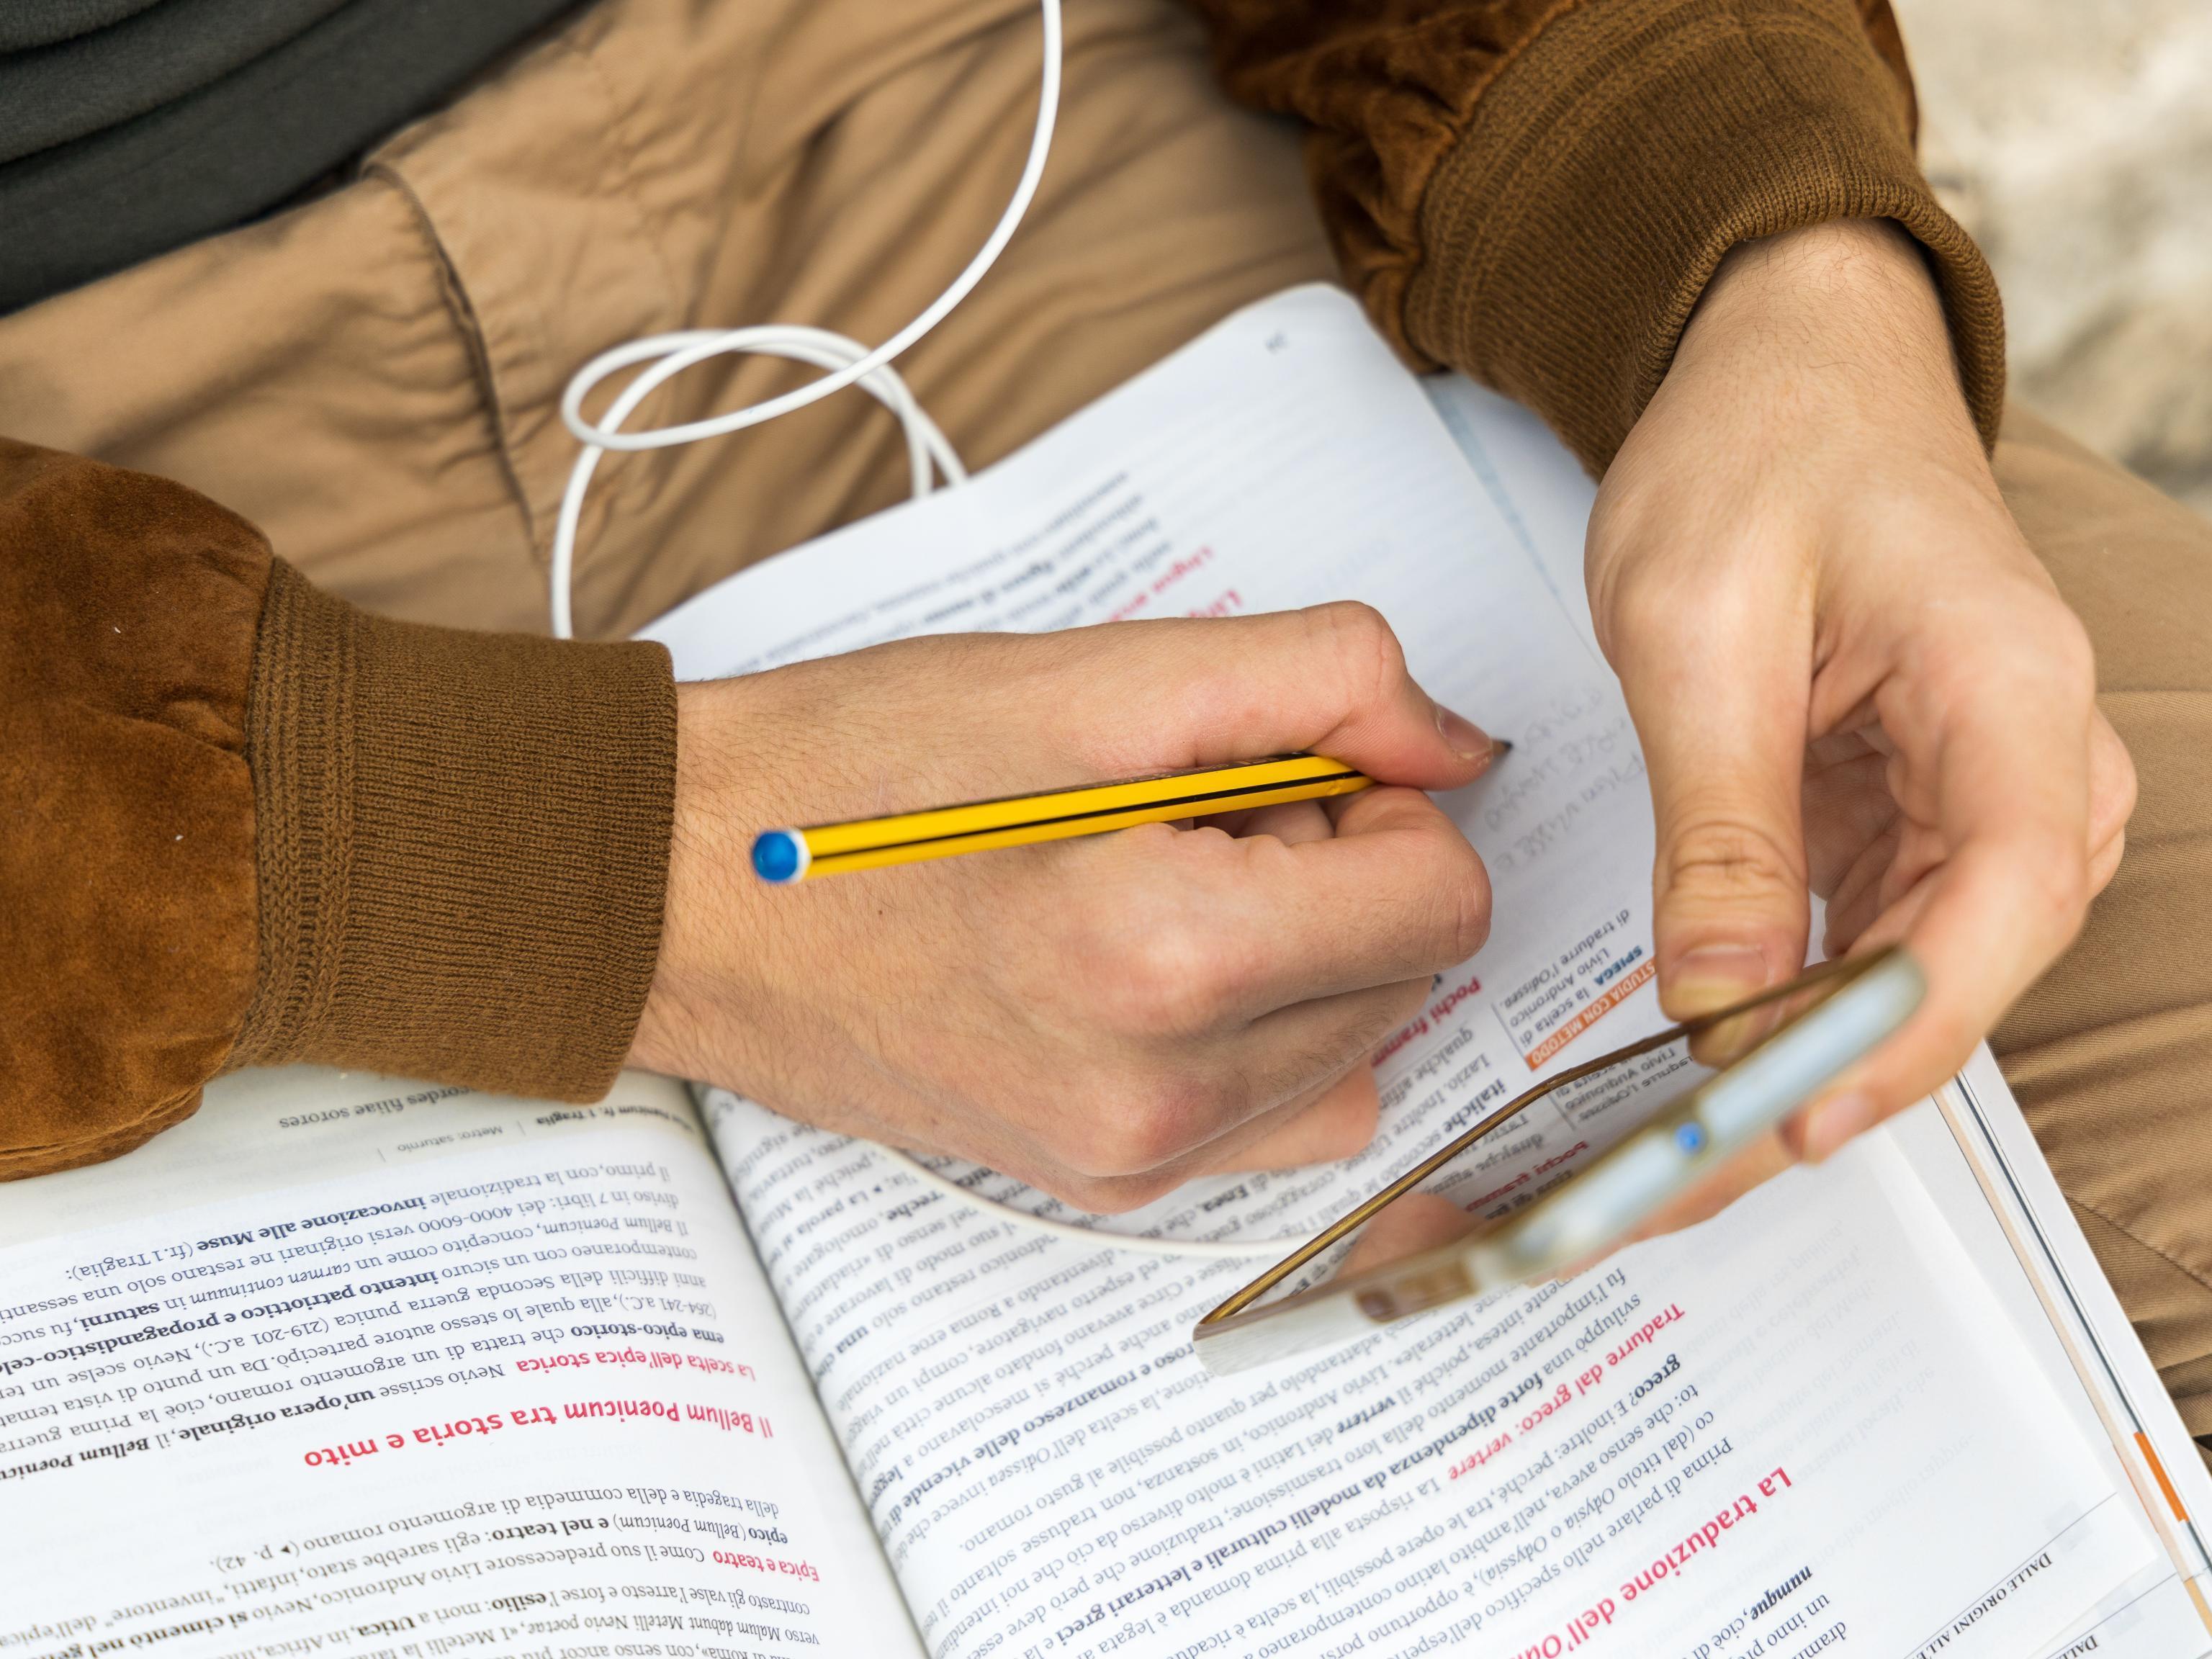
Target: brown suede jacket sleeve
[243,822]
[1536,192]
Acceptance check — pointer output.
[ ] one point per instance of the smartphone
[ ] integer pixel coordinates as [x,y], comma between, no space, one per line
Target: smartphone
[1414,1246]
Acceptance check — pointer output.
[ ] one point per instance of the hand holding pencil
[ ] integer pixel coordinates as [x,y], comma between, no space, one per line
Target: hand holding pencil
[1101,1016]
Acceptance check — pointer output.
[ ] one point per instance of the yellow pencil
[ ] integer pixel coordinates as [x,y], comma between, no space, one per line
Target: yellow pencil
[782,856]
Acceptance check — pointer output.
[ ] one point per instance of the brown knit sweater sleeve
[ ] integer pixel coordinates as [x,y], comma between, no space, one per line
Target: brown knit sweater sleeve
[1536,192]
[243,822]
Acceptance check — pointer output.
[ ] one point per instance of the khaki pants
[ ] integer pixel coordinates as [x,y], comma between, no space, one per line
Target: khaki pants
[374,378]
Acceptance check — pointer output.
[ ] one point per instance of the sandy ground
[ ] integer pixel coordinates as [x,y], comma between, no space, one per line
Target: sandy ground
[2074,138]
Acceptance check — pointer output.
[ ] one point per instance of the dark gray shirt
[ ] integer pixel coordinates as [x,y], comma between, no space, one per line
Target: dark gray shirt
[131,127]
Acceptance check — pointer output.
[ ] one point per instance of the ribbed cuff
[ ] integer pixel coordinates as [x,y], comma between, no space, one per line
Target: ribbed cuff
[1619,157]
[461,846]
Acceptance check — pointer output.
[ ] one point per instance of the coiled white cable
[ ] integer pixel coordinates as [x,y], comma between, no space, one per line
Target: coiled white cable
[851,364]
[928,447]
[660,358]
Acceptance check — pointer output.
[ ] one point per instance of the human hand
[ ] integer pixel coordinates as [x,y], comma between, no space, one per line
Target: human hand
[1103,1017]
[1847,670]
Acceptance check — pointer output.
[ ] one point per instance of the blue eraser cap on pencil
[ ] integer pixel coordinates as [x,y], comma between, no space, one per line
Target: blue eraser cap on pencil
[780,855]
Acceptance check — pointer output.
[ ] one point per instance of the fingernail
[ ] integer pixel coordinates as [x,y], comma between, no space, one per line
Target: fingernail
[1713,976]
[1466,739]
[1834,1121]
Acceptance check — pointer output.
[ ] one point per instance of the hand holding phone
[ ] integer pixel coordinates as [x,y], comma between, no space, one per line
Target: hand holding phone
[1415,1246]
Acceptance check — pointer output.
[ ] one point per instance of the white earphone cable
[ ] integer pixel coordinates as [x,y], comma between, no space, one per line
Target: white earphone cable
[670,355]
[1249,1249]
[927,443]
[664,356]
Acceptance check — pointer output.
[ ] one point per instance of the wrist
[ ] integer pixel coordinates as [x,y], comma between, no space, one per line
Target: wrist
[708,873]
[1812,416]
[1837,258]
[1836,332]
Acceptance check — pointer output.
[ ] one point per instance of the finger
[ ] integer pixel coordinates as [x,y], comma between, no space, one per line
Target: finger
[1406,1226]
[1331,679]
[1857,899]
[1846,807]
[1750,1166]
[1291,822]
[1236,928]
[1716,682]
[2105,861]
[1337,1123]
[1884,872]
[1281,1065]
[2112,799]
[2001,774]
[1853,839]
[1333,1118]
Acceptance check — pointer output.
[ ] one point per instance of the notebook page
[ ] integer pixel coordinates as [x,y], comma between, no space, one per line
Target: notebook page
[1040,1468]
[353,1363]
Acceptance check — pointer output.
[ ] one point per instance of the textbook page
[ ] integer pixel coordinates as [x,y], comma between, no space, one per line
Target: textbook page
[1981,1165]
[1990,1163]
[1540,490]
[1800,1427]
[1765,1405]
[2091,1307]
[348,1364]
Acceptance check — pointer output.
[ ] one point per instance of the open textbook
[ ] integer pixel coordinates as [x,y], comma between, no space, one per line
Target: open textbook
[354,1365]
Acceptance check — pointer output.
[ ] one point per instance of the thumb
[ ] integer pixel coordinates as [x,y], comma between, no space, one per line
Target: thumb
[1723,725]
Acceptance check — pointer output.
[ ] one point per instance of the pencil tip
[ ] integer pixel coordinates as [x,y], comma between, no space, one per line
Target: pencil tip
[1499,749]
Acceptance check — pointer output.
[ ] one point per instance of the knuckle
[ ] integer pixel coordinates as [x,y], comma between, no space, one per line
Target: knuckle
[2062,885]
[1168,979]
[1643,606]
[1097,1150]
[1728,859]
[1362,643]
[2118,793]
[1466,900]
[1442,890]
[1395,1008]
[1171,1116]
[1130,1131]
[1110,1194]
[2069,656]
[2040,648]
